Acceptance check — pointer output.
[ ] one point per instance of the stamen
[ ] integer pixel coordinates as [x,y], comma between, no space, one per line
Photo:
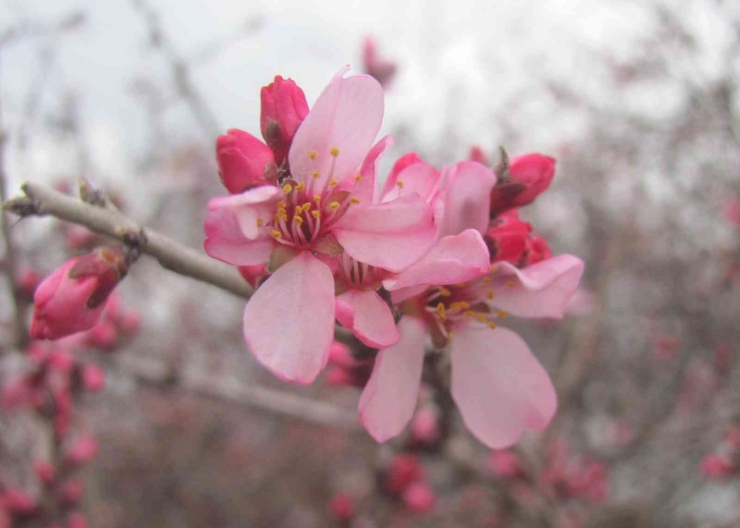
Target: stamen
[354,200]
[306,206]
[276,234]
[502,313]
[510,284]
[333,182]
[468,313]
[316,213]
[487,279]
[316,174]
[358,178]
[300,186]
[493,269]
[444,292]
[298,220]
[260,222]
[312,155]
[317,199]
[491,325]
[400,184]
[334,206]
[287,188]
[334,152]
[460,285]
[441,311]
[489,296]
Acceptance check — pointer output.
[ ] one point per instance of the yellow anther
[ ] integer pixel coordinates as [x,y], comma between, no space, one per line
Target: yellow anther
[305,207]
[312,155]
[315,213]
[450,335]
[441,311]
[460,285]
[468,313]
[298,220]
[510,284]
[287,188]
[459,305]
[487,280]
[358,178]
[481,318]
[281,204]
[444,292]
[354,200]
[317,198]
[276,234]
[300,186]
[491,325]
[489,296]
[334,206]
[316,174]
[493,269]
[333,182]
[502,313]
[334,152]
[400,184]
[260,222]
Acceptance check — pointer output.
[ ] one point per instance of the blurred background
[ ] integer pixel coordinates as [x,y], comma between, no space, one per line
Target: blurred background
[172,423]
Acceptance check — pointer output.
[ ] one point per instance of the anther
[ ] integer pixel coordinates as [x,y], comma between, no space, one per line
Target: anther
[317,198]
[334,206]
[334,152]
[316,174]
[354,200]
[491,325]
[260,222]
[298,220]
[510,284]
[400,184]
[502,313]
[312,155]
[287,188]
[358,178]
[306,206]
[300,186]
[489,296]
[315,213]
[441,311]
[276,234]
[444,292]
[333,182]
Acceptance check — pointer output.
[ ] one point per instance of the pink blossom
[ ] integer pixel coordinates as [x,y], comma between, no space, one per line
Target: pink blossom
[342,507]
[70,492]
[404,470]
[716,466]
[418,497]
[73,297]
[319,220]
[82,450]
[732,211]
[425,426]
[244,161]
[382,69]
[45,472]
[528,177]
[77,520]
[18,502]
[284,108]
[507,238]
[477,154]
[505,463]
[93,378]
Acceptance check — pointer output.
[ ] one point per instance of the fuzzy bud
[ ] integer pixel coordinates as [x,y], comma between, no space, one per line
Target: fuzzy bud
[284,107]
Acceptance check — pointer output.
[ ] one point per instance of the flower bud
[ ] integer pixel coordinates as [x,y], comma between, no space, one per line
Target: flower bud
[93,378]
[538,250]
[342,507]
[477,154]
[77,520]
[404,470]
[419,497]
[505,464]
[382,69]
[82,450]
[73,297]
[525,178]
[70,493]
[284,107]
[18,502]
[243,161]
[716,466]
[507,238]
[45,472]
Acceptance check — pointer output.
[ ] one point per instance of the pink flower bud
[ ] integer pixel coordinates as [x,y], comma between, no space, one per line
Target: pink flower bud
[93,378]
[19,502]
[538,250]
[243,161]
[28,280]
[732,437]
[14,393]
[103,336]
[254,274]
[403,471]
[82,450]
[61,361]
[477,154]
[77,520]
[732,211]
[342,507]
[284,107]
[425,426]
[505,464]
[507,238]
[70,493]
[716,466]
[45,472]
[73,297]
[419,497]
[382,69]
[529,176]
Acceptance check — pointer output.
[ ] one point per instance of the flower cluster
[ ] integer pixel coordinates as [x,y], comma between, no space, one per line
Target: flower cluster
[436,256]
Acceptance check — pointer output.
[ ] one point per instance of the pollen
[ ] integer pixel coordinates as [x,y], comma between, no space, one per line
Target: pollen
[444,292]
[510,284]
[334,152]
[354,200]
[493,269]
[298,220]
[287,188]
[481,318]
[306,206]
[316,174]
[502,313]
[333,182]
[491,325]
[441,311]
[276,234]
[487,280]
[489,296]
[300,186]
[460,285]
[400,184]
[281,204]
[317,198]
[358,178]
[334,206]
[315,214]
[468,313]
[312,155]
[260,222]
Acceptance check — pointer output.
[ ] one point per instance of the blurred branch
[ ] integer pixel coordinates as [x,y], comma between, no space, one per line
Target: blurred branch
[171,255]
[230,389]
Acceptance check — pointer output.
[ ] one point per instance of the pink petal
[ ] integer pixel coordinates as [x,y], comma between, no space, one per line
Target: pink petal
[453,259]
[419,177]
[389,399]
[499,386]
[364,190]
[368,316]
[398,296]
[390,235]
[467,198]
[346,116]
[232,234]
[539,290]
[289,322]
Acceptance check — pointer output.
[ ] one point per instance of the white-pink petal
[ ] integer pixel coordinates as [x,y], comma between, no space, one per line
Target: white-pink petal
[453,259]
[390,235]
[364,189]
[467,198]
[289,322]
[338,131]
[368,317]
[389,399]
[499,386]
[539,290]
